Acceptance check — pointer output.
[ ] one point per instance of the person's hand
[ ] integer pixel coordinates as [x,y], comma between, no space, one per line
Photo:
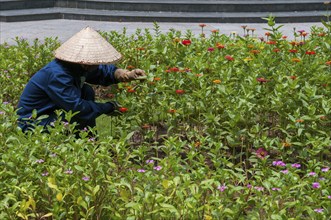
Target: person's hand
[126,76]
[115,110]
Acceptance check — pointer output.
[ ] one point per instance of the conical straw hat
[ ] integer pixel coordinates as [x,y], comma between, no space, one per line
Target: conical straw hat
[88,47]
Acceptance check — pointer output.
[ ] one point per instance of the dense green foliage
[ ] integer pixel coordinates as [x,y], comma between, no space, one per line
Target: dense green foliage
[225,127]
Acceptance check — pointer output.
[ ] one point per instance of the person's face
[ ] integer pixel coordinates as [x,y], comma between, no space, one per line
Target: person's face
[90,68]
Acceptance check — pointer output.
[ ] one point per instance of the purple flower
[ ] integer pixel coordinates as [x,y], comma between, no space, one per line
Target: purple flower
[2,113]
[91,139]
[5,103]
[68,171]
[284,171]
[141,171]
[249,186]
[275,189]
[53,155]
[157,168]
[316,185]
[45,174]
[296,165]
[86,178]
[329,197]
[312,174]
[325,169]
[221,188]
[149,161]
[40,161]
[259,188]
[279,163]
[319,210]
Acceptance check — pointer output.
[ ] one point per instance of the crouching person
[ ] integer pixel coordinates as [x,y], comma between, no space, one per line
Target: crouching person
[62,84]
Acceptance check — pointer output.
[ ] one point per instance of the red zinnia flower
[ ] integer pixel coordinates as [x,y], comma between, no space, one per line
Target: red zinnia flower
[293,51]
[123,109]
[271,42]
[328,63]
[131,91]
[180,91]
[210,49]
[310,52]
[276,50]
[174,69]
[172,111]
[262,80]
[229,58]
[186,42]
[202,25]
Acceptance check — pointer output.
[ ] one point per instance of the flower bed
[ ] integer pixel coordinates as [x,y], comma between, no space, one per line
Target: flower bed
[225,127]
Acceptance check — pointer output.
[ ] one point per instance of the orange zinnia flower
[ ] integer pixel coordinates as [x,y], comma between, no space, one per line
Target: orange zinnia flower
[217,81]
[219,46]
[157,79]
[172,111]
[328,63]
[299,120]
[202,25]
[255,51]
[296,60]
[145,126]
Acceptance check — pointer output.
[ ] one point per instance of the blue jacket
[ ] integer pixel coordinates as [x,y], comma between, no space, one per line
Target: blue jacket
[58,86]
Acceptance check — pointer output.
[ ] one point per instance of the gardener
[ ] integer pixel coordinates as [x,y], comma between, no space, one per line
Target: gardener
[85,58]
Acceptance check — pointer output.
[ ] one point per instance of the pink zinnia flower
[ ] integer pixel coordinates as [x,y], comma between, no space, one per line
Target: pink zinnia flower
[325,169]
[316,185]
[141,171]
[259,188]
[157,168]
[312,174]
[279,163]
[86,178]
[261,153]
[40,161]
[296,165]
[149,161]
[284,171]
[319,210]
[221,188]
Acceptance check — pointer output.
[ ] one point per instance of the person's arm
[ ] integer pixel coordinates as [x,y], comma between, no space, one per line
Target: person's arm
[104,75]
[66,95]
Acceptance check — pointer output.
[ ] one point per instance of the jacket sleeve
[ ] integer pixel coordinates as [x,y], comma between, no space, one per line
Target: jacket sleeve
[66,95]
[104,75]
